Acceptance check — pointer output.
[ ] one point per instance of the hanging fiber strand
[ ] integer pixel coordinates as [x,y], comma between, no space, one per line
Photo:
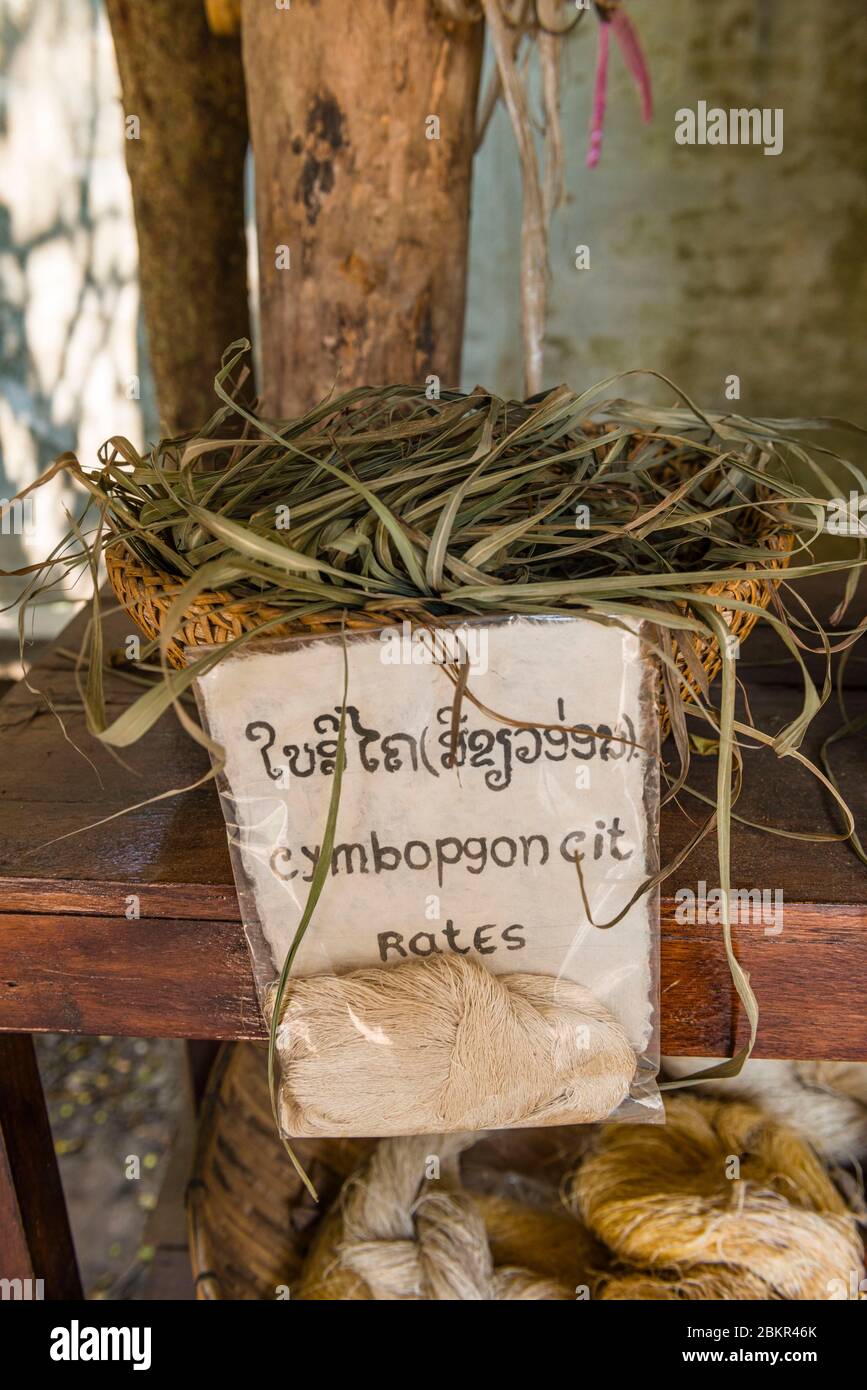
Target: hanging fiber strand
[546,23]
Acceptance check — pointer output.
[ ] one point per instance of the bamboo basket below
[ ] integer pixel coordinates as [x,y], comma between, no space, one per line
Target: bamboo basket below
[251,1221]
[249,1217]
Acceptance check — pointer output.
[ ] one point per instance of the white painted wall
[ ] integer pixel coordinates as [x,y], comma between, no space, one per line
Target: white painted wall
[69,300]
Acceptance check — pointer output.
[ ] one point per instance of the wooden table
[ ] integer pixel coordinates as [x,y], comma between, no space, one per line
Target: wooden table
[133,928]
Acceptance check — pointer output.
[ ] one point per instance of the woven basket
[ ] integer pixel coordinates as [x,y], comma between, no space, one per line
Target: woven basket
[250,1219]
[217,617]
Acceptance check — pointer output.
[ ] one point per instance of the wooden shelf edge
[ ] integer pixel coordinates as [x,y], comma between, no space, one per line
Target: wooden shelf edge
[189,978]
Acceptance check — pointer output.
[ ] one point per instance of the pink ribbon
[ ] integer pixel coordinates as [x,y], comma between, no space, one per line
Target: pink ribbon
[628,42]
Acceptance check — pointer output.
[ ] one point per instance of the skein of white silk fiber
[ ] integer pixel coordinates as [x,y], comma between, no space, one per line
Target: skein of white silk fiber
[405,1228]
[825,1102]
[443,1045]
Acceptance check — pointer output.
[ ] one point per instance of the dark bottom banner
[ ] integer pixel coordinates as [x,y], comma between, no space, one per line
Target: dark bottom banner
[67,1340]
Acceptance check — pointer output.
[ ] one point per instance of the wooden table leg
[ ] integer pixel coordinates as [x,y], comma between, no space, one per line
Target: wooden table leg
[35,1239]
[201,1053]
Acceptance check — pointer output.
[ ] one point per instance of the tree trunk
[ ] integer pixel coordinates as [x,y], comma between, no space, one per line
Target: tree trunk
[363,217]
[186,88]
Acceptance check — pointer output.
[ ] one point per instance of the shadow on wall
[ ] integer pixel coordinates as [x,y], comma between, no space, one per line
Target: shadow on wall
[70,334]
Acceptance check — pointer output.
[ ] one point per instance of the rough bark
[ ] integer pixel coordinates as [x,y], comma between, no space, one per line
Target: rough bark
[374,214]
[186,86]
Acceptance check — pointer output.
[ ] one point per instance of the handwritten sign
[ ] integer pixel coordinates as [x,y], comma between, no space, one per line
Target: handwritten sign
[449,846]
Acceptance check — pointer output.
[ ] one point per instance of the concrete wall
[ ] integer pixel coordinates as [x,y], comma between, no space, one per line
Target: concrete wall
[704,261]
[70,343]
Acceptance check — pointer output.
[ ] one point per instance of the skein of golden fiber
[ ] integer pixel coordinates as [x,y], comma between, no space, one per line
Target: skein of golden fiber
[719,1185]
[698,1284]
[824,1102]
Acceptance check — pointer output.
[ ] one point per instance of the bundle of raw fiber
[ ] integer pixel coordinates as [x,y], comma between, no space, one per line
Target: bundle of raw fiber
[462,1049]
[548,23]
[826,1102]
[395,1234]
[252,1222]
[720,1187]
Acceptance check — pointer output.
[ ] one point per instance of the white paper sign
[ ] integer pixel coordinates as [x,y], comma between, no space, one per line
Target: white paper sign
[428,857]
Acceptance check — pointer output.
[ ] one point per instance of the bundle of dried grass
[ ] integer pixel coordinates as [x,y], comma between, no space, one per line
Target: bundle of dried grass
[383,503]
[721,1202]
